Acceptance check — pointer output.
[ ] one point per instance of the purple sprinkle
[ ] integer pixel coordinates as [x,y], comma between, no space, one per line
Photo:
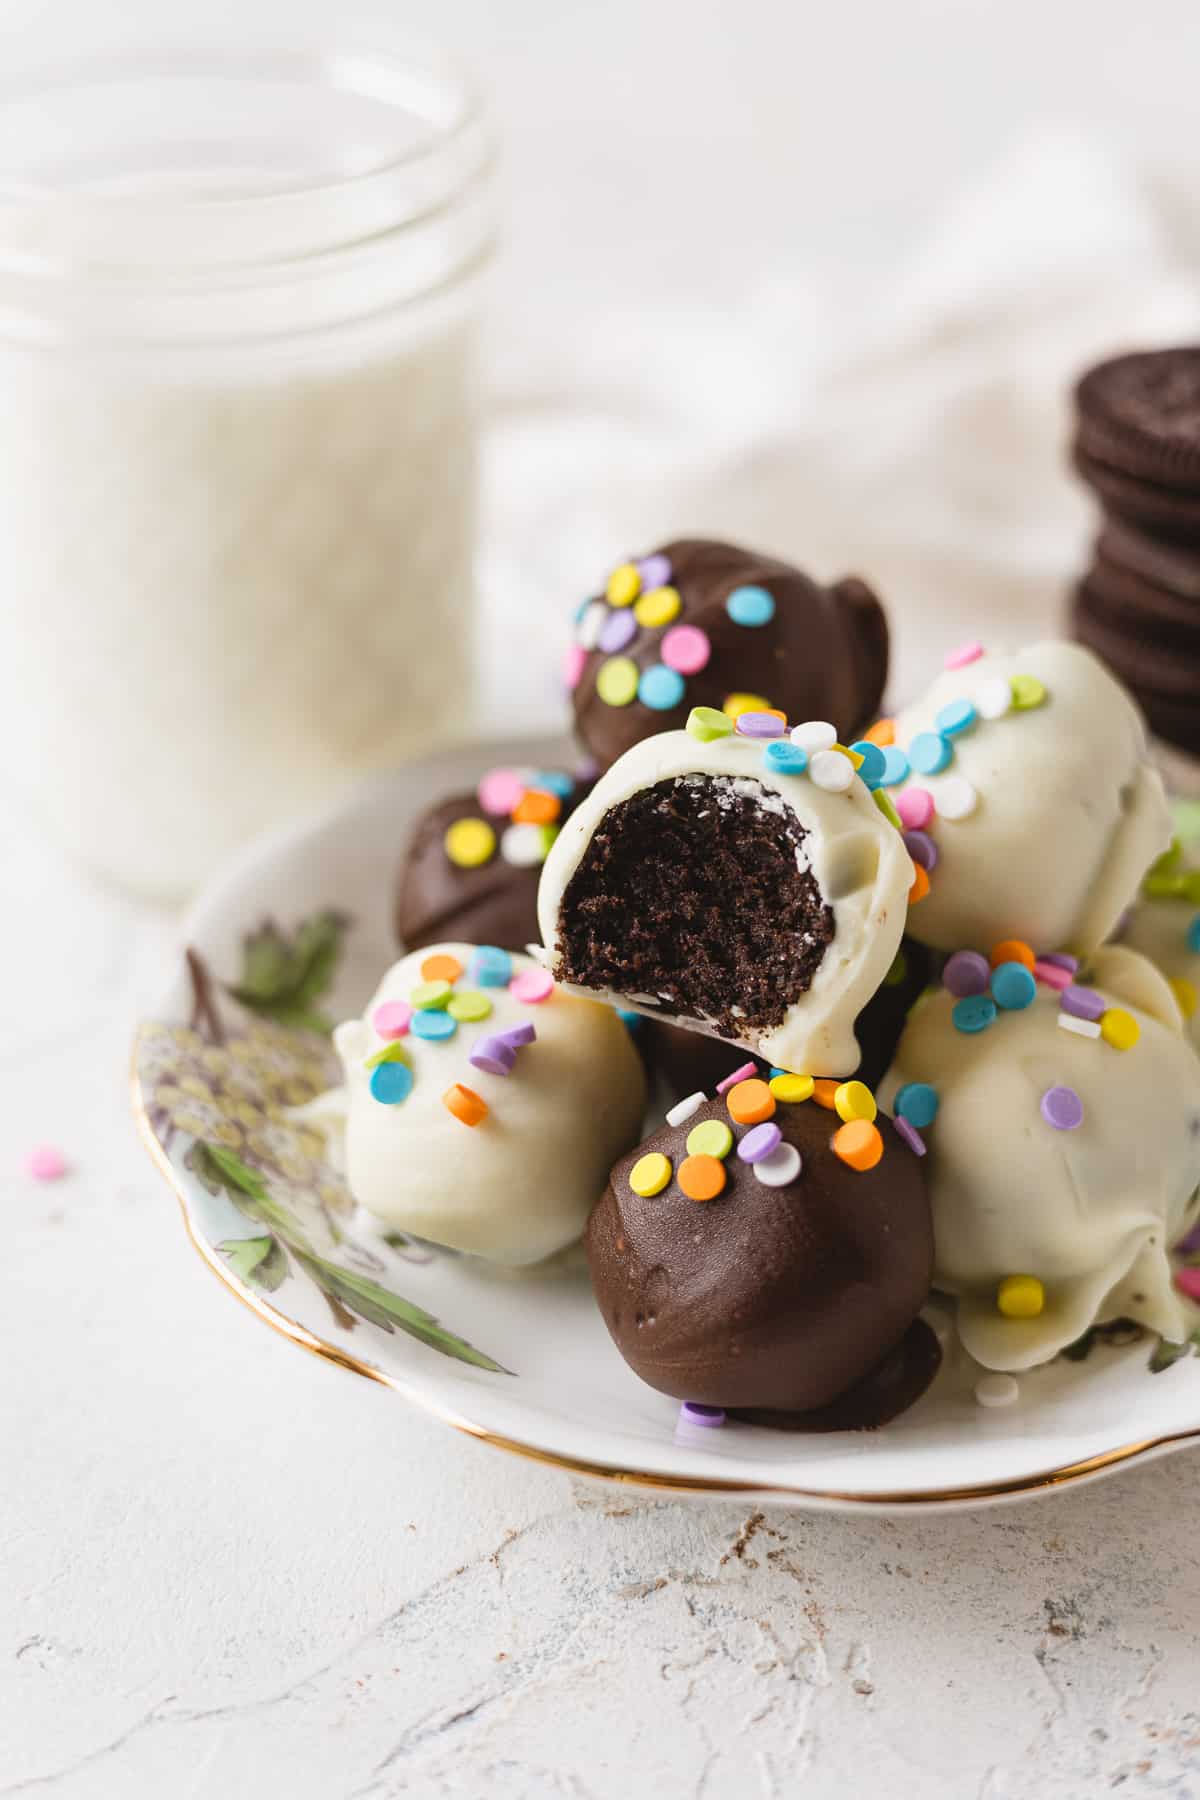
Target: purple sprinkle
[1062,1108]
[967,973]
[516,1037]
[745,1073]
[1058,959]
[910,1134]
[587,769]
[1191,1243]
[692,1413]
[493,1055]
[759,1142]
[619,629]
[759,725]
[922,849]
[1083,1003]
[655,571]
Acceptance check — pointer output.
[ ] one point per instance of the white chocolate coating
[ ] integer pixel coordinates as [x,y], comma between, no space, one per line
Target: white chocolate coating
[1070,813]
[519,1186]
[1159,930]
[1092,1213]
[857,858]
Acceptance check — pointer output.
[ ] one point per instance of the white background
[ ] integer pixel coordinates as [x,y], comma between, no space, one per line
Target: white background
[228,1570]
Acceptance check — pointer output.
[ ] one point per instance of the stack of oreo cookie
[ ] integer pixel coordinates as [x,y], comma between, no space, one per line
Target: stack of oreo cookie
[1137,445]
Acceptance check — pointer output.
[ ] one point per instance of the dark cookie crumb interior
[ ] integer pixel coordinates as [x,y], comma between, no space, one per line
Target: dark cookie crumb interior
[692,895]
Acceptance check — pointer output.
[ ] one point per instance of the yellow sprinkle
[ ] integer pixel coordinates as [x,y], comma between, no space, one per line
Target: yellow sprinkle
[792,1087]
[469,843]
[737,704]
[1027,692]
[1119,1028]
[712,1137]
[658,607]
[650,1174]
[1185,992]
[617,681]
[856,756]
[624,585]
[1021,1297]
[854,1100]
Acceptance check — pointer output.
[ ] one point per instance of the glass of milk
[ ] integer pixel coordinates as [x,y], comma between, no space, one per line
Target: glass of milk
[238,304]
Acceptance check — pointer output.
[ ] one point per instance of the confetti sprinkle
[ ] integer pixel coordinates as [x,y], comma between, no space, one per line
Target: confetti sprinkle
[854,1100]
[493,1056]
[532,986]
[957,798]
[517,1036]
[930,752]
[442,967]
[910,1135]
[392,1019]
[431,996]
[758,1142]
[624,585]
[490,966]
[391,1083]
[761,725]
[792,1089]
[591,622]
[469,1007]
[655,570]
[657,607]
[920,885]
[922,849]
[814,735]
[896,767]
[859,1145]
[1011,950]
[661,688]
[780,1168]
[993,698]
[871,763]
[523,846]
[917,1102]
[830,770]
[686,649]
[712,1137]
[573,664]
[1051,975]
[499,791]
[882,732]
[785,759]
[650,1174]
[1021,1297]
[1088,1028]
[973,1014]
[744,1072]
[1083,1002]
[617,681]
[692,1412]
[737,704]
[964,654]
[683,1110]
[619,630]
[702,1177]
[705,724]
[884,803]
[750,606]
[1013,986]
[916,808]
[466,1105]
[996,1390]
[469,843]
[750,1102]
[1027,692]
[824,1091]
[433,1027]
[955,718]
[1119,1028]
[1062,1108]
[966,972]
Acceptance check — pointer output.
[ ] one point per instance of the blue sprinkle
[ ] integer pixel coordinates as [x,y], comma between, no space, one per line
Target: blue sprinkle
[975,1013]
[895,767]
[929,752]
[917,1102]
[435,1027]
[554,781]
[582,608]
[1013,987]
[660,687]
[750,606]
[785,758]
[1193,936]
[392,1082]
[632,1021]
[490,967]
[874,762]
[775,1072]
[959,716]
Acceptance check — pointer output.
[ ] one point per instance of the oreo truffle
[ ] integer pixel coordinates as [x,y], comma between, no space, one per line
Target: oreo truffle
[796,1286]
[701,623]
[473,864]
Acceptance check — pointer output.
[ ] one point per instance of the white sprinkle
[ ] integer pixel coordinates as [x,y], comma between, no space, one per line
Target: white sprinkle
[814,735]
[1081,1027]
[523,846]
[591,625]
[993,698]
[956,798]
[682,1112]
[780,1168]
[832,771]
[996,1390]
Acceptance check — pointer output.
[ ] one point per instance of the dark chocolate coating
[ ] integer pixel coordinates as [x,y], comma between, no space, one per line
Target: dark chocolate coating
[824,655]
[884,1392]
[771,1299]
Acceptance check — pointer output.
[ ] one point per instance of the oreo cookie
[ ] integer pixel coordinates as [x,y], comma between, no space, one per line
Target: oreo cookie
[1139,415]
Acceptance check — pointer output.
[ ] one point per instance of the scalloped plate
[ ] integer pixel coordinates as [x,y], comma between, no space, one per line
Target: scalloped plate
[520,1360]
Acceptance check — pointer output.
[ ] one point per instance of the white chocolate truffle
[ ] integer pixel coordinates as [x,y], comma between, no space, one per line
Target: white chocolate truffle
[519,1185]
[752,870]
[1090,1212]
[1166,928]
[1068,811]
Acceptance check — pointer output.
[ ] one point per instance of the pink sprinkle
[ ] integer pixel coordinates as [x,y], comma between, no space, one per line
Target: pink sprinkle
[574,658]
[1052,976]
[966,653]
[45,1163]
[501,791]
[916,808]
[1188,1282]
[532,986]
[391,1020]
[686,649]
[745,1073]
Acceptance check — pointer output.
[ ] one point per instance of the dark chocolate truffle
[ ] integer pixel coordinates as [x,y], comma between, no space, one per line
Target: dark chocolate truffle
[697,622]
[774,1299]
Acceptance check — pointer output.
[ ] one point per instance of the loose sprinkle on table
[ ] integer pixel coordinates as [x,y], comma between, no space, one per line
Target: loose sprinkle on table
[45,1163]
[693,1413]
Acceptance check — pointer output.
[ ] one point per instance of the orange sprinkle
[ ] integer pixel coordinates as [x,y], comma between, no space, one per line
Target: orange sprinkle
[882,732]
[920,886]
[536,807]
[441,968]
[465,1104]
[1012,950]
[702,1177]
[750,1102]
[823,1093]
[859,1144]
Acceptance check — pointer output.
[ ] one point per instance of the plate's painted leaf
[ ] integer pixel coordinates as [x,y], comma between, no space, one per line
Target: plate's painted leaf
[282,977]
[391,1312]
[259,1261]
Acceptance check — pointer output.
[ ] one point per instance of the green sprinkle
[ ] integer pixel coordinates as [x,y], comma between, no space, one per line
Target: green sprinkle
[884,802]
[390,1053]
[1027,692]
[431,996]
[469,1006]
[706,723]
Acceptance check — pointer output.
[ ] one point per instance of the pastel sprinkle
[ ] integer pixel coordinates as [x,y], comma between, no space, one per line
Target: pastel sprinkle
[650,1174]
[814,735]
[832,771]
[1020,1297]
[523,846]
[1059,959]
[466,1105]
[392,1019]
[910,1135]
[617,681]
[657,607]
[661,687]
[45,1163]
[993,698]
[964,654]
[997,1390]
[707,1417]
[683,1110]
[1051,975]
[620,629]
[957,798]
[955,718]
[517,1036]
[686,649]
[555,781]
[500,791]
[432,996]
[1011,950]
[966,972]
[493,1056]
[1088,1028]
[736,704]
[1119,1028]
[591,619]
[624,585]
[391,1083]
[705,724]
[973,1014]
[441,967]
[1062,1108]
[872,762]
[916,808]
[1027,692]
[712,1137]
[882,732]
[1193,935]
[469,1007]
[489,966]
[702,1177]
[917,1102]
[531,986]
[922,849]
[780,1168]
[785,758]
[824,1090]
[1186,995]
[744,1072]
[1188,1282]
[761,725]
[858,1144]
[750,606]
[855,756]
[433,1027]
[854,1100]
[1083,1002]
[792,1089]
[930,752]
[655,570]
[1013,987]
[758,1142]
[391,1052]
[750,1102]
[896,767]
[469,843]
[884,803]
[920,885]
[573,664]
